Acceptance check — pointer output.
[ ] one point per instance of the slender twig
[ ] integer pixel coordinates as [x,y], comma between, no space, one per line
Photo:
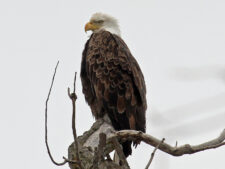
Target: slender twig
[120,153]
[153,153]
[74,83]
[73,98]
[46,121]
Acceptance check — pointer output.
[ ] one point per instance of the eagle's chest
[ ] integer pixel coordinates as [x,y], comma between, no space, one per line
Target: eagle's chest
[103,46]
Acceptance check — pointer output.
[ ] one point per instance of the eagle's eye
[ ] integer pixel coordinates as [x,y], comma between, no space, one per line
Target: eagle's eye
[99,21]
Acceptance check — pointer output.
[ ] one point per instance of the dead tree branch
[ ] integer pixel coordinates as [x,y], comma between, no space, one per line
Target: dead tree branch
[46,122]
[124,135]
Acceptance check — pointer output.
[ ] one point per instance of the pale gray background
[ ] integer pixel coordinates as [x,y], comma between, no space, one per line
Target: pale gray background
[178,43]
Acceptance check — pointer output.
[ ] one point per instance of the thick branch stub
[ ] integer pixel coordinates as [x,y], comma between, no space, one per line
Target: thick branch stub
[101,146]
[99,152]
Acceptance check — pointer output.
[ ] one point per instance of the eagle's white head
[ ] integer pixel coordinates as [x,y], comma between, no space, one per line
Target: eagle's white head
[101,21]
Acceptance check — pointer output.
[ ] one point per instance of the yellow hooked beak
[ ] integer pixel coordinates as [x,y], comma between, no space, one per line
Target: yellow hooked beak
[90,27]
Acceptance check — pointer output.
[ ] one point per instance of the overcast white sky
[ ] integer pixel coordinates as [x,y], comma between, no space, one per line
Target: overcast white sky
[178,43]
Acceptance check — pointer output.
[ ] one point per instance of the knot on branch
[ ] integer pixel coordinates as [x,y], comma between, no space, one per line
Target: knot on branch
[72,96]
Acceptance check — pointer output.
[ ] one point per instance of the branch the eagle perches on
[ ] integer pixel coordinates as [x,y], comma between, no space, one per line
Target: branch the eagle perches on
[91,150]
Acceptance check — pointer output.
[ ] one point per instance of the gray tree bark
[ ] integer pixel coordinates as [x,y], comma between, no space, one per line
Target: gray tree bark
[89,144]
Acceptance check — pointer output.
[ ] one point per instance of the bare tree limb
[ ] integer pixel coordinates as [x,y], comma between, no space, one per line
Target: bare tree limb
[153,153]
[124,135]
[73,98]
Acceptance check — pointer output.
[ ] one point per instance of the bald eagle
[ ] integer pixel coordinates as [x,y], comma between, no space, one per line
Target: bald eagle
[112,80]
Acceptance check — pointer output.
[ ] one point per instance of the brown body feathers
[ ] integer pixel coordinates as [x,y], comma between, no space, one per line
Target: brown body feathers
[113,83]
